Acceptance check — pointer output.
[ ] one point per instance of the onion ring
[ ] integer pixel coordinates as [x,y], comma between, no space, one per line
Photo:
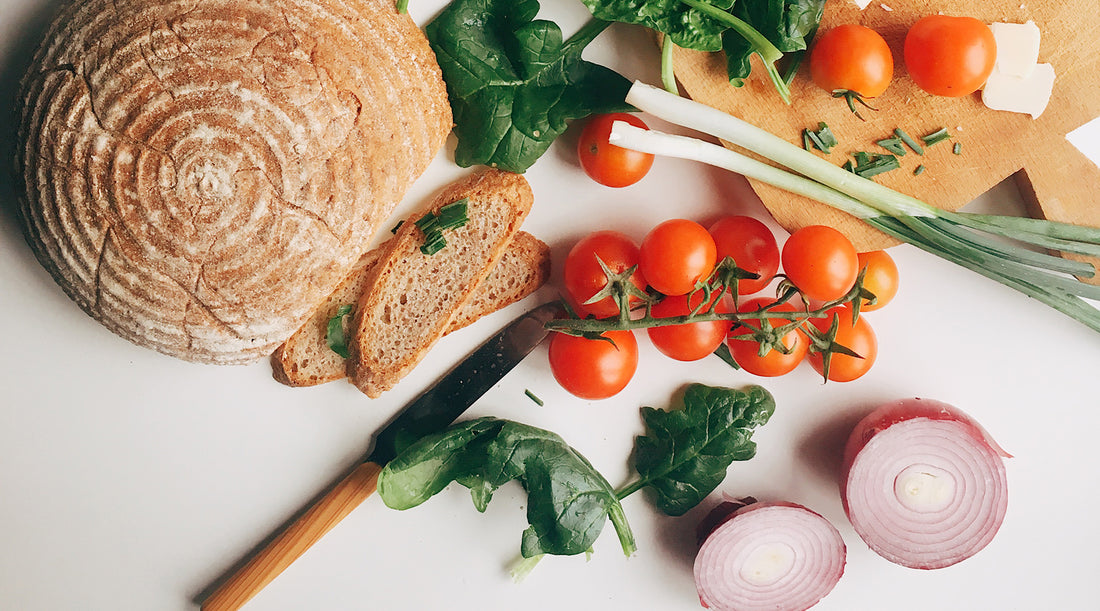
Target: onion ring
[923,484]
[774,556]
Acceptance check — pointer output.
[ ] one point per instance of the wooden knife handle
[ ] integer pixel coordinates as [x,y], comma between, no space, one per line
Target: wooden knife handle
[292,542]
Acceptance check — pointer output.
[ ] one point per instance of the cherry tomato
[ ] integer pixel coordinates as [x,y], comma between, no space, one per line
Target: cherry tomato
[584,277]
[675,255]
[747,352]
[858,336]
[594,368]
[607,164]
[881,278]
[821,262]
[949,56]
[752,247]
[852,58]
[692,341]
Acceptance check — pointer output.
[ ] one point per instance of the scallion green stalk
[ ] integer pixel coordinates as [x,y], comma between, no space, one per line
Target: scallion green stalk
[958,237]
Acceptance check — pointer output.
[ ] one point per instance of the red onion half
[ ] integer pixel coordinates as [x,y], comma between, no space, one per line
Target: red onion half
[923,484]
[774,556]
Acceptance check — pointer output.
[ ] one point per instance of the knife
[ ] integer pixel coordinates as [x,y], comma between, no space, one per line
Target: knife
[432,411]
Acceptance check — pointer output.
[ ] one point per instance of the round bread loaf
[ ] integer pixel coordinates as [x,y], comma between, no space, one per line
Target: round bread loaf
[199,174]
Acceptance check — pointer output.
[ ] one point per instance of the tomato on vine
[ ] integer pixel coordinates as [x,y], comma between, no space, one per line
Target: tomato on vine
[607,164]
[752,247]
[594,368]
[854,334]
[774,362]
[821,262]
[692,341]
[852,61]
[880,278]
[675,255]
[585,277]
[949,56]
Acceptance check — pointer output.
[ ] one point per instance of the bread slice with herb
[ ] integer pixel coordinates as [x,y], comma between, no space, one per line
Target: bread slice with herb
[305,359]
[412,298]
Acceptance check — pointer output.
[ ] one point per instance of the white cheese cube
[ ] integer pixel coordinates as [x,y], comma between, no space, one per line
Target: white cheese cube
[1017,47]
[1025,94]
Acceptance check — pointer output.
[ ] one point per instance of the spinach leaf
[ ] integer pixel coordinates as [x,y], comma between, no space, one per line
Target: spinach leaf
[513,83]
[568,500]
[686,26]
[685,453]
[787,24]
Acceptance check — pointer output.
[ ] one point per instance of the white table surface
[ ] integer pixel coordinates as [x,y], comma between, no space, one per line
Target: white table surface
[131,481]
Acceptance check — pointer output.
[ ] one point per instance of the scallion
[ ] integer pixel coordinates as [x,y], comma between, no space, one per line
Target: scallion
[908,140]
[894,145]
[962,238]
[937,136]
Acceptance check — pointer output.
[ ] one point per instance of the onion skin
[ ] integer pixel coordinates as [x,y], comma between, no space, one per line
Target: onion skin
[935,453]
[774,556]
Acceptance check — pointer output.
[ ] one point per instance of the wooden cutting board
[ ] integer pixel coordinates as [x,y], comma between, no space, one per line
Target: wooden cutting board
[1055,179]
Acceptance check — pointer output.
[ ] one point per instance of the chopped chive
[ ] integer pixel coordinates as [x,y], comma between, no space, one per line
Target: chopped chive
[918,170]
[806,143]
[937,136]
[397,226]
[534,398]
[826,135]
[433,246]
[429,223]
[817,142]
[894,145]
[957,149]
[872,165]
[453,216]
[908,140]
[848,166]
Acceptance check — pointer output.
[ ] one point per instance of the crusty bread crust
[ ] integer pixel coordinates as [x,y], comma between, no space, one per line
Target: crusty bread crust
[306,360]
[198,176]
[400,316]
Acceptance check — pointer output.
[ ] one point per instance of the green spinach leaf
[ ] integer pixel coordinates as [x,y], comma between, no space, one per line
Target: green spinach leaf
[686,26]
[685,453]
[568,500]
[787,24]
[513,83]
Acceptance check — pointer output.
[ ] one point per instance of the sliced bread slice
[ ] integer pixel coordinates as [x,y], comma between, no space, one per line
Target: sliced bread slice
[306,360]
[410,298]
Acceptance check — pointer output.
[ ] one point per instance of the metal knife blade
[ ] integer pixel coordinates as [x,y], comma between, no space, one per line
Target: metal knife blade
[432,411]
[453,394]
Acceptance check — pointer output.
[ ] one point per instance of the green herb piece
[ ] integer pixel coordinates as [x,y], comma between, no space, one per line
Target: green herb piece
[453,215]
[533,397]
[939,135]
[822,139]
[513,83]
[957,149]
[723,352]
[849,166]
[826,136]
[335,337]
[894,145]
[869,164]
[908,140]
[434,244]
[428,223]
[397,226]
[568,501]
[402,6]
[917,171]
[685,452]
